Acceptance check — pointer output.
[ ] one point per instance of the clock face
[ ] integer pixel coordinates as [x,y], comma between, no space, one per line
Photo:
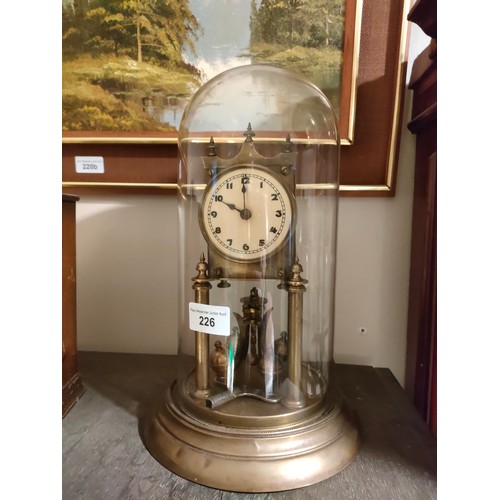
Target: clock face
[246,213]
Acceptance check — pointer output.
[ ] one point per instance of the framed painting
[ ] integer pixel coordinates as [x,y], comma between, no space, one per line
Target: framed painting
[130,67]
[110,98]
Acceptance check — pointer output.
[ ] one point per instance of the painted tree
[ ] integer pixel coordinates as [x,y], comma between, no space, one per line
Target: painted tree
[146,30]
[306,23]
[324,22]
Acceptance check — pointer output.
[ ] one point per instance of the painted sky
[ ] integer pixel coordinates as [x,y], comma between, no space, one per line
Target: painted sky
[225,37]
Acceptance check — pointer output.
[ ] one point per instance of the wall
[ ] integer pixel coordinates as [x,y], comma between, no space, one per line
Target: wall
[373,254]
[127,269]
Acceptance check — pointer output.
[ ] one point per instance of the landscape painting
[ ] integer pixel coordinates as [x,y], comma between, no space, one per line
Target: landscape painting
[130,66]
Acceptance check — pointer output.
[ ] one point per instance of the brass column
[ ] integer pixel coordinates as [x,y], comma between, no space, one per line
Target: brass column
[295,287]
[201,287]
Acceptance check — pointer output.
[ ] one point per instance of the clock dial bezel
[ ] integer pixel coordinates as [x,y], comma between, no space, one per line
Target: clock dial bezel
[257,249]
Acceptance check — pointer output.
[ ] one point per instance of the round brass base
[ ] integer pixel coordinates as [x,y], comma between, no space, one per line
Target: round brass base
[250,460]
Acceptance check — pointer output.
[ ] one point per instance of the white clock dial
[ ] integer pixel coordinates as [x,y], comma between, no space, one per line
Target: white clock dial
[246,213]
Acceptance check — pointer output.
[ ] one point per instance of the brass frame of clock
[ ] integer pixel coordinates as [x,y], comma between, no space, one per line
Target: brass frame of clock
[225,426]
[257,193]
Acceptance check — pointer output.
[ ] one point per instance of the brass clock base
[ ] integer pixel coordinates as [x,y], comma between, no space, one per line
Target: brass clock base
[250,460]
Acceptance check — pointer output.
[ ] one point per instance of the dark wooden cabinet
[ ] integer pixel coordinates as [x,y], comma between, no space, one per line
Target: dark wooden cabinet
[421,360]
[72,387]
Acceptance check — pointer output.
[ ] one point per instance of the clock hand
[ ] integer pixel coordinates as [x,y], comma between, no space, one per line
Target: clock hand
[232,206]
[245,214]
[244,191]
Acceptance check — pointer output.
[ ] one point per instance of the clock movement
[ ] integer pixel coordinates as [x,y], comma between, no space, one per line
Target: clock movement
[255,407]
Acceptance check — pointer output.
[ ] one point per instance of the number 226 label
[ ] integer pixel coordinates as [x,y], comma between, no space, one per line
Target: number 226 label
[209,319]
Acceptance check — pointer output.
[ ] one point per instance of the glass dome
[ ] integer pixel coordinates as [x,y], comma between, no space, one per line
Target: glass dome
[277,99]
[258,195]
[275,131]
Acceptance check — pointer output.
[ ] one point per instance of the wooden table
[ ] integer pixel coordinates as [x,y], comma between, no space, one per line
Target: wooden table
[104,457]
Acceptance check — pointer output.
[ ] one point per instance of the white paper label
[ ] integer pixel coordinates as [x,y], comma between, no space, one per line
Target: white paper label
[204,318]
[89,164]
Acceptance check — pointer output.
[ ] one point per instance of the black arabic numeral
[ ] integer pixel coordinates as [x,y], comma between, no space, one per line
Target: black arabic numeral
[206,321]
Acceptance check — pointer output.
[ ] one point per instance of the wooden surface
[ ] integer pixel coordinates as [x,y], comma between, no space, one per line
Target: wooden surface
[104,457]
[129,163]
[72,387]
[421,356]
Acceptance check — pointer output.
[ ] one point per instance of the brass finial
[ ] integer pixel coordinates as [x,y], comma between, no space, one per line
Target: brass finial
[288,145]
[295,279]
[296,270]
[211,147]
[249,133]
[202,268]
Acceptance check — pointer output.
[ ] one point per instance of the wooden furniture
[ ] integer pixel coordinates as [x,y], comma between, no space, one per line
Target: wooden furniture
[397,459]
[420,379]
[72,387]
